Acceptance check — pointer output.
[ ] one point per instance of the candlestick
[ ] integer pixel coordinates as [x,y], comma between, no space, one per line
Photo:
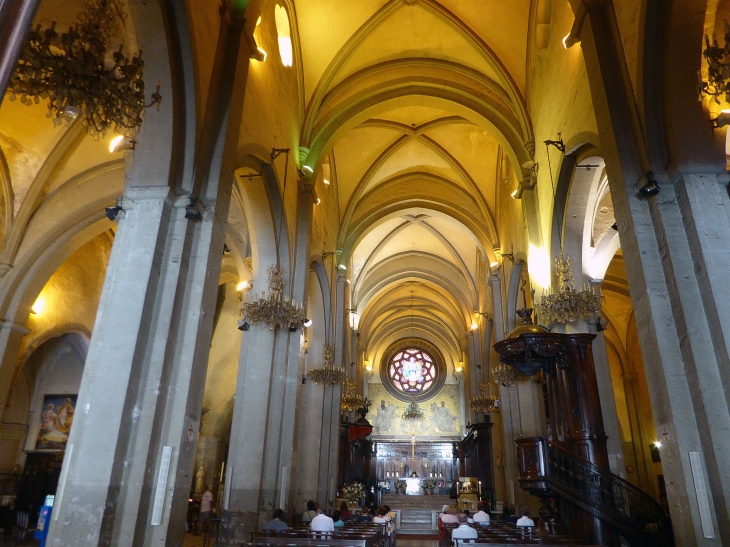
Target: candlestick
[480,489]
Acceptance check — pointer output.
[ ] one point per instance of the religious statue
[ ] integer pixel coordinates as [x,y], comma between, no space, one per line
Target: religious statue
[442,417]
[200,481]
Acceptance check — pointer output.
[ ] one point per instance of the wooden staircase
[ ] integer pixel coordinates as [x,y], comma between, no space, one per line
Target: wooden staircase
[548,470]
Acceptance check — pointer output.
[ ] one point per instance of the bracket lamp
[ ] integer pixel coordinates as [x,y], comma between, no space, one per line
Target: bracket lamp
[191,211]
[243,325]
[723,119]
[307,323]
[112,212]
[307,169]
[517,194]
[259,55]
[342,267]
[121,143]
[650,188]
[559,144]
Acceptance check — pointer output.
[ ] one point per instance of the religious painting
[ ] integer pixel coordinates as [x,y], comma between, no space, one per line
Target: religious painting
[442,414]
[57,416]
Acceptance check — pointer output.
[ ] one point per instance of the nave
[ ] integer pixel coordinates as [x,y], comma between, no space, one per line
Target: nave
[257,253]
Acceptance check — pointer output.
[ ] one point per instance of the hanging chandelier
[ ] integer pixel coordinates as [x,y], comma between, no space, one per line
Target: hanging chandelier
[351,401]
[77,76]
[568,305]
[327,373]
[718,68]
[273,309]
[484,402]
[413,412]
[505,375]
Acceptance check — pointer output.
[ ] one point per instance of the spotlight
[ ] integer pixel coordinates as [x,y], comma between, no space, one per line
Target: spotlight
[494,264]
[342,267]
[292,328]
[651,188]
[120,143]
[723,119]
[243,325]
[112,212]
[614,226]
[307,323]
[191,211]
[517,194]
[259,55]
[307,169]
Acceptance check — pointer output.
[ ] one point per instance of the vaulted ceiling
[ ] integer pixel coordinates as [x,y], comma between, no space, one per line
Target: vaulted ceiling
[415,110]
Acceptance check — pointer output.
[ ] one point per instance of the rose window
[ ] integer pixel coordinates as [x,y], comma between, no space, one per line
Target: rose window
[412,371]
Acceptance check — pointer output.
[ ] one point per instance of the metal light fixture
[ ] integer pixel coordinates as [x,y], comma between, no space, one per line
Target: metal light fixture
[568,305]
[327,373]
[273,309]
[352,401]
[718,72]
[504,375]
[484,402]
[77,77]
[413,412]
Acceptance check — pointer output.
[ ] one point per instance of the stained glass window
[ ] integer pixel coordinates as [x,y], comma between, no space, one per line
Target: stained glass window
[412,371]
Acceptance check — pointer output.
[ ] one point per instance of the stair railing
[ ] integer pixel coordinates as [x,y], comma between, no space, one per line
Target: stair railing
[548,464]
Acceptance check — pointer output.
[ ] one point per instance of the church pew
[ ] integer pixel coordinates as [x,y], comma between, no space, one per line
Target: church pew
[307,542]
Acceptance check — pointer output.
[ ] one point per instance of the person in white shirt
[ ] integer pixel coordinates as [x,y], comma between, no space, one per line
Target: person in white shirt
[525,520]
[480,517]
[206,506]
[322,523]
[464,531]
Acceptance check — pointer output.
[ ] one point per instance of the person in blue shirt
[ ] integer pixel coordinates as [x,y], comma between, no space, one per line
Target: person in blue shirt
[337,519]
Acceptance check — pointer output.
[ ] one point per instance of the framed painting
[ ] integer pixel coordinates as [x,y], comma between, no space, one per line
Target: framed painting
[56,419]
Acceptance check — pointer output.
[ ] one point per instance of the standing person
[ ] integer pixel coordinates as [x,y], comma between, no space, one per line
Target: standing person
[310,513]
[322,523]
[206,507]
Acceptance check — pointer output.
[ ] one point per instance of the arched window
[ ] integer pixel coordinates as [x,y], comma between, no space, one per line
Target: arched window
[412,371]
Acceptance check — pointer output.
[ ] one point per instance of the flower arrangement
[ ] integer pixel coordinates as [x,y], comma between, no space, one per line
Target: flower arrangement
[400,485]
[352,492]
[428,484]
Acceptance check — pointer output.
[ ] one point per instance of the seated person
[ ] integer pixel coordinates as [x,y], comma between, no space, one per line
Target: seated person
[481,517]
[382,518]
[322,523]
[310,513]
[449,516]
[468,516]
[345,510]
[525,520]
[337,520]
[510,515]
[391,513]
[367,515]
[277,522]
[464,531]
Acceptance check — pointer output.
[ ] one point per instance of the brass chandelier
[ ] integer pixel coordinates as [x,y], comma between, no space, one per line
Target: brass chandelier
[327,373]
[568,305]
[504,375]
[484,402]
[352,401]
[718,68]
[77,76]
[413,412]
[273,309]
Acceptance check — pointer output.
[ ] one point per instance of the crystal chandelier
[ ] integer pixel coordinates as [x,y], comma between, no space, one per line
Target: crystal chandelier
[484,402]
[718,68]
[352,401]
[327,373]
[568,305]
[505,375]
[78,78]
[413,412]
[273,309]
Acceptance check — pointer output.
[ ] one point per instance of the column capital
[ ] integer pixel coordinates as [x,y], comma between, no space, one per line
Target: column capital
[307,187]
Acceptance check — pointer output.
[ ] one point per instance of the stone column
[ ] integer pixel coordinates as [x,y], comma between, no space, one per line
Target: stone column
[15,21]
[262,435]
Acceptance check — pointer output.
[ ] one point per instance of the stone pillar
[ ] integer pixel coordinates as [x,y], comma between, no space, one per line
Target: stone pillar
[262,434]
[128,465]
[473,340]
[675,249]
[11,338]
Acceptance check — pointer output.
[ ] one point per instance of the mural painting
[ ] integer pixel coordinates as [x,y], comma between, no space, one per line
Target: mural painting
[57,416]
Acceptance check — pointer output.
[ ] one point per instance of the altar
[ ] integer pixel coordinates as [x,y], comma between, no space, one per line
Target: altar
[414,485]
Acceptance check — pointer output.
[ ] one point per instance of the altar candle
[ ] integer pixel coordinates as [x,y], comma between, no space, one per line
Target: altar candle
[480,489]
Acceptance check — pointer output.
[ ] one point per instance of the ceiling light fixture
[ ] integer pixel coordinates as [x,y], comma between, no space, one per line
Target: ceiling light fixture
[718,80]
[73,73]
